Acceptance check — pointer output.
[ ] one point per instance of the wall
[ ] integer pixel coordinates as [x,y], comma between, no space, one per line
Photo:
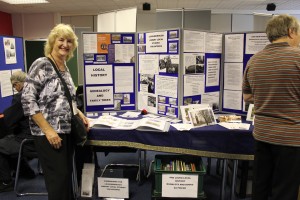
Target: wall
[6,24]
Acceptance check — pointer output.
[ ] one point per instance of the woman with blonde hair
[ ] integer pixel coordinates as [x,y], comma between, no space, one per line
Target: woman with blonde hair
[49,111]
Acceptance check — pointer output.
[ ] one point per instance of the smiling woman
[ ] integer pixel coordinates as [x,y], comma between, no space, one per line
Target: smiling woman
[44,100]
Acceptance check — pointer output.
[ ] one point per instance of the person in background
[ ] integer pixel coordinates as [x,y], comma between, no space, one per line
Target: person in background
[272,82]
[47,106]
[14,128]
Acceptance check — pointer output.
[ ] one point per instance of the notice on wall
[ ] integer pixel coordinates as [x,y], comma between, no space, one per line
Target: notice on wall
[6,88]
[103,40]
[212,72]
[233,76]
[213,43]
[179,185]
[98,74]
[194,41]
[166,86]
[124,53]
[211,98]
[99,95]
[10,50]
[124,83]
[234,46]
[232,99]
[113,187]
[193,85]
[255,42]
[156,42]
[148,64]
[89,43]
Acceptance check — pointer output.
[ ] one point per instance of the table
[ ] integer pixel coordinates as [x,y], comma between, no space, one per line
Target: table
[210,141]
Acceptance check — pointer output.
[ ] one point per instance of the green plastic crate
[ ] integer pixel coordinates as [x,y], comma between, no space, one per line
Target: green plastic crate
[165,159]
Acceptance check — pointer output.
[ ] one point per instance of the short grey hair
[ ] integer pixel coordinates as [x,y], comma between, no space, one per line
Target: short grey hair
[18,77]
[279,26]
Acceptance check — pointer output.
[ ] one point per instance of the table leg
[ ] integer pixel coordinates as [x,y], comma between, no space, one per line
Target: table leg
[235,166]
[140,165]
[145,163]
[222,195]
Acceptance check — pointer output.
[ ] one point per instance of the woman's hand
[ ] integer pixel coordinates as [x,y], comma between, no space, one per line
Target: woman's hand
[54,139]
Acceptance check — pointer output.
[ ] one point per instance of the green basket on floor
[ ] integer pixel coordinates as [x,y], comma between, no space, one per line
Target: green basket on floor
[160,167]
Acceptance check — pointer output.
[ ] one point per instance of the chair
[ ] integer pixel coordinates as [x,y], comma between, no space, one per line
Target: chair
[30,154]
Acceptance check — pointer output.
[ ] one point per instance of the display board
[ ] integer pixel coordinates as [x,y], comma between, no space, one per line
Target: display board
[11,59]
[109,71]
[159,71]
[178,67]
[239,48]
[34,49]
[202,53]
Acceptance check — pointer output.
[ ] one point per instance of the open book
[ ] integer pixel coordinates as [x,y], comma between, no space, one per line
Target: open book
[145,124]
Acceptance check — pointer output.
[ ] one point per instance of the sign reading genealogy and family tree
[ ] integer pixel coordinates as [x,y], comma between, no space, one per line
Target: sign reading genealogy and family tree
[109,71]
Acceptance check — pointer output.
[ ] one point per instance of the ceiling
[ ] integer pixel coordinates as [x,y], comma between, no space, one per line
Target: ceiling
[94,7]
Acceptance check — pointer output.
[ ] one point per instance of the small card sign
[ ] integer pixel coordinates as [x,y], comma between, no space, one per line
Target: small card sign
[180,185]
[113,187]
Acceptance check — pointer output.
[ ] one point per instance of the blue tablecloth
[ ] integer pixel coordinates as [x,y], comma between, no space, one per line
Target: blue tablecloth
[209,141]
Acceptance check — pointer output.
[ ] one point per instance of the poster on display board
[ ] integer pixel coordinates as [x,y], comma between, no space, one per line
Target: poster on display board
[239,48]
[109,71]
[158,71]
[11,60]
[202,53]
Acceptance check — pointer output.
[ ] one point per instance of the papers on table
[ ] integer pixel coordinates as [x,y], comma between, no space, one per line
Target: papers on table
[230,125]
[183,127]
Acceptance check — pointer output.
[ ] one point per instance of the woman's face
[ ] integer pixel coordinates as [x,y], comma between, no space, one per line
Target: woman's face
[62,46]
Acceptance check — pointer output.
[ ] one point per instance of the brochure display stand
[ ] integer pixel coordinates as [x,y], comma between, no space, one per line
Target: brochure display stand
[109,71]
[239,48]
[11,59]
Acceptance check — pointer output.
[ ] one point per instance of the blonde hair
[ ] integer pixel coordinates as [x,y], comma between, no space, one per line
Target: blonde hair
[279,26]
[18,77]
[61,30]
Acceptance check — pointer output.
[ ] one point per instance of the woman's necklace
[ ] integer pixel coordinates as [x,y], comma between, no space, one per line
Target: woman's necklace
[56,65]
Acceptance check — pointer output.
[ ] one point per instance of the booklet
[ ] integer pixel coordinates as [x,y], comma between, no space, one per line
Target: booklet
[145,124]
[185,111]
[202,117]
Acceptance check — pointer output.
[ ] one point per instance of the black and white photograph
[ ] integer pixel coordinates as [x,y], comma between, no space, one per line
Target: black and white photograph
[118,96]
[147,83]
[141,38]
[142,48]
[126,99]
[193,63]
[117,104]
[169,64]
[101,58]
[173,47]
[173,34]
[187,101]
[202,117]
[161,108]
[173,101]
[171,110]
[151,101]
[88,56]
[127,39]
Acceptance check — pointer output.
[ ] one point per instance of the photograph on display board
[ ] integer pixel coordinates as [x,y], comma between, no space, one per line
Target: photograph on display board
[161,99]
[173,34]
[126,98]
[88,56]
[187,101]
[170,111]
[169,64]
[141,38]
[118,96]
[127,39]
[151,101]
[173,47]
[193,63]
[101,58]
[161,108]
[172,101]
[116,38]
[141,48]
[117,104]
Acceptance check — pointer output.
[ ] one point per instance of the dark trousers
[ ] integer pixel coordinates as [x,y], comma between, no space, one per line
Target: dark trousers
[276,172]
[57,166]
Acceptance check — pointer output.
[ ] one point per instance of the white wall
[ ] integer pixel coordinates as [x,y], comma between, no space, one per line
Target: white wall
[33,26]
[242,23]
[221,23]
